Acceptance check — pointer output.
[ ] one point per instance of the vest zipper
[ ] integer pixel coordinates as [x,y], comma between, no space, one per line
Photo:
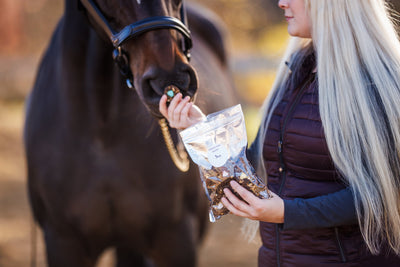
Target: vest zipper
[282,169]
[283,128]
[339,242]
[278,256]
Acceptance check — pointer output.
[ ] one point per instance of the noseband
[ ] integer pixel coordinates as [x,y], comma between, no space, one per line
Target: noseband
[134,30]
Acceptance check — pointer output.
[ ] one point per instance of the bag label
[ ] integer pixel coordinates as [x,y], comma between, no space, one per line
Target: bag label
[217,155]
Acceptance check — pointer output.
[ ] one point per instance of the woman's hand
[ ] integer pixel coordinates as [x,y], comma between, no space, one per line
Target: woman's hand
[266,210]
[181,113]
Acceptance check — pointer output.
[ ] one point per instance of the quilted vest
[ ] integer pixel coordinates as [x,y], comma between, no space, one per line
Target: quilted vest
[299,165]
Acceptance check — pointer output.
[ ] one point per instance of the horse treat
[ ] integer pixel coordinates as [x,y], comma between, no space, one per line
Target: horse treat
[218,146]
[171,91]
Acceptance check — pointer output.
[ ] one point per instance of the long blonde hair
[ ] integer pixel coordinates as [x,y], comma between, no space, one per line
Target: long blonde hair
[358,65]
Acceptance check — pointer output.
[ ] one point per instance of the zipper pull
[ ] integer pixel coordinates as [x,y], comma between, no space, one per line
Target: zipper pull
[279,146]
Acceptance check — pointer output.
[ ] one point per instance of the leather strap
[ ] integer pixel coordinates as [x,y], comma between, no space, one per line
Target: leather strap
[135,29]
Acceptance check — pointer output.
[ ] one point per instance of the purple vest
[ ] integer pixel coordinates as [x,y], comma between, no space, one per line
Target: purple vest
[298,164]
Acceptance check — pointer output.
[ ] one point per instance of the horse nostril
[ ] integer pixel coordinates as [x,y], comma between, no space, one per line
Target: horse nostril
[181,81]
[155,81]
[192,85]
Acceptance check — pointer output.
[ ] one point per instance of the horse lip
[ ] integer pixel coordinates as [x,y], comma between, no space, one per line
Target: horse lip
[153,103]
[154,110]
[156,114]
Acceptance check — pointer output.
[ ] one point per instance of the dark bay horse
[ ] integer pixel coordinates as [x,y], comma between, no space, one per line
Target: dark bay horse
[99,174]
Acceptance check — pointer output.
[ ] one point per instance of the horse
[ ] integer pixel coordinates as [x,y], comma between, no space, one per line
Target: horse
[99,174]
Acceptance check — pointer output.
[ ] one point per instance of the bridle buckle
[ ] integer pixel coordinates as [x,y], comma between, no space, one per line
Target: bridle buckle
[121,58]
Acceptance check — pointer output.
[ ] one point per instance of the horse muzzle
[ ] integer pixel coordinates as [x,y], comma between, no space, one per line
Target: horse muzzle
[154,83]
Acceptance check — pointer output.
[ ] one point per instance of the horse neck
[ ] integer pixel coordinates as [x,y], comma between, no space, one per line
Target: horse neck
[81,41]
[96,85]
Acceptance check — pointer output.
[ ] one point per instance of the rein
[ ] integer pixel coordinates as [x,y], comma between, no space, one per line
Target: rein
[177,154]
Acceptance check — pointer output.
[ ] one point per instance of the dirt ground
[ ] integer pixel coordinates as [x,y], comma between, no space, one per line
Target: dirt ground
[223,246]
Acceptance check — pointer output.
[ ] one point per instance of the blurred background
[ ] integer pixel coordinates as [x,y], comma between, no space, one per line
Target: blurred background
[256,40]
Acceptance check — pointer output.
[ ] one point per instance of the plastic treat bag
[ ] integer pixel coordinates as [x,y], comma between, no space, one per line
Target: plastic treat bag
[218,146]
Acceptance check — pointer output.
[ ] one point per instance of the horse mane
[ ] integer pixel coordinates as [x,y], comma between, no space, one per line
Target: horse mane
[209,27]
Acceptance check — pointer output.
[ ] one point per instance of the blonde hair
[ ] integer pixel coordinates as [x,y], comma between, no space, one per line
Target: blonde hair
[358,65]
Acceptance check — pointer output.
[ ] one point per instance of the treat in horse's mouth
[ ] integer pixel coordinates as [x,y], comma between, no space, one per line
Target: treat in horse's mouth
[170,91]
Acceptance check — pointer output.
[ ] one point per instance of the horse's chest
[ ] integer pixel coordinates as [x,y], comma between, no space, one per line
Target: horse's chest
[117,187]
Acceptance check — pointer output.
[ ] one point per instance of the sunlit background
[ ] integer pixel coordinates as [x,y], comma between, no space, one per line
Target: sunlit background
[256,40]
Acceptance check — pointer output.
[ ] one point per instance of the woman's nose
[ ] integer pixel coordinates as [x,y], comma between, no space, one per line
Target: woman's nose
[283,4]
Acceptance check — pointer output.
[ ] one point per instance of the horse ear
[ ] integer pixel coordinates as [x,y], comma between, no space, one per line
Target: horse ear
[210,27]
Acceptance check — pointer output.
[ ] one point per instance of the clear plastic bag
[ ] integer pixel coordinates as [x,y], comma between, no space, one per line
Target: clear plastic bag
[218,146]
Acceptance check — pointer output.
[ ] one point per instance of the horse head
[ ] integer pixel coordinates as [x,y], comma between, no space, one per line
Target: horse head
[151,43]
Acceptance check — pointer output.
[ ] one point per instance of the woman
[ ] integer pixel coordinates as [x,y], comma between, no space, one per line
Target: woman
[329,143]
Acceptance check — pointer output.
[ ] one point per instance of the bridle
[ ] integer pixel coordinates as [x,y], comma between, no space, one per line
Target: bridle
[178,155]
[134,30]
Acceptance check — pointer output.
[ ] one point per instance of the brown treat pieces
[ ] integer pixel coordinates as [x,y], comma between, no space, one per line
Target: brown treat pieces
[220,211]
[171,91]
[211,184]
[213,172]
[217,179]
[218,193]
[251,186]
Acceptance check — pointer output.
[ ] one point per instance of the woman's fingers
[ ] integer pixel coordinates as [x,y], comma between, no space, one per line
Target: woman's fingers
[244,193]
[178,110]
[232,208]
[236,202]
[172,105]
[163,106]
[186,109]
